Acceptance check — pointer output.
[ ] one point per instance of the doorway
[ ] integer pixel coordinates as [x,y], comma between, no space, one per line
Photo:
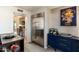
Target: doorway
[19,25]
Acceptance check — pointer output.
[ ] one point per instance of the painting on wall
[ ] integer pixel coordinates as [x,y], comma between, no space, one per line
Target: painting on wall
[68,16]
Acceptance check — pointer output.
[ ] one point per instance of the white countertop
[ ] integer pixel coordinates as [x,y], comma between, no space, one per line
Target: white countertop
[11,40]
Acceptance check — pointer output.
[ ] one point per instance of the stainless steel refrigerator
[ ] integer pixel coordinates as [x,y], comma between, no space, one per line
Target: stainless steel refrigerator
[38,29]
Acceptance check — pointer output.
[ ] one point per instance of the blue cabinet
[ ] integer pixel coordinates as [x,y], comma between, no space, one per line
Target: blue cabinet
[65,44]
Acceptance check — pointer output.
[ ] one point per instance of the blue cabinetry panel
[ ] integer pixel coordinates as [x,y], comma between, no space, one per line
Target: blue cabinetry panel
[65,44]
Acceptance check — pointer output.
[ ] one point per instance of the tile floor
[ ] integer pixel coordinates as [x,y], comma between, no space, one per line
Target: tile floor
[31,47]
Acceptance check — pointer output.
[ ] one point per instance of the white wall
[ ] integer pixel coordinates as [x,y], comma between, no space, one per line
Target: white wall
[6,20]
[54,22]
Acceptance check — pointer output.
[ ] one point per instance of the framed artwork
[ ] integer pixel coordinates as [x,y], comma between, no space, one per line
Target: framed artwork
[68,17]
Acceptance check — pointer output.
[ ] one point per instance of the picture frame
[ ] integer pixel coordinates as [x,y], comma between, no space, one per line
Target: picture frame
[68,16]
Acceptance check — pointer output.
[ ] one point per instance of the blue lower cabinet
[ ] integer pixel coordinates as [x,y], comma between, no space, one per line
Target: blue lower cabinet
[75,45]
[51,43]
[76,48]
[65,47]
[63,43]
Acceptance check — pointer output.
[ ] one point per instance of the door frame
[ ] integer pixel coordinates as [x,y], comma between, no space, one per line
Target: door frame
[19,14]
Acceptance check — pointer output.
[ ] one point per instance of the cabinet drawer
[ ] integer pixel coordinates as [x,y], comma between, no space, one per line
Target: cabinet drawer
[50,41]
[52,44]
[75,48]
[50,38]
[63,44]
[64,47]
[65,41]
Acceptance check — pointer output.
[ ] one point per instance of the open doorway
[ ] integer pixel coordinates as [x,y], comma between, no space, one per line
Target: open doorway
[19,25]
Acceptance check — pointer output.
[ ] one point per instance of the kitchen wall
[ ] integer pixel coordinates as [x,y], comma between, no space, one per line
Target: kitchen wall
[54,22]
[6,20]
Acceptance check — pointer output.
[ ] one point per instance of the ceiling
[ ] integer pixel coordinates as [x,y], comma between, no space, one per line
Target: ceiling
[33,8]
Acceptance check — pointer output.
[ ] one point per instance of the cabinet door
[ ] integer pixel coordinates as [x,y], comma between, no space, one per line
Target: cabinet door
[52,37]
[52,41]
[64,47]
[66,41]
[64,44]
[75,45]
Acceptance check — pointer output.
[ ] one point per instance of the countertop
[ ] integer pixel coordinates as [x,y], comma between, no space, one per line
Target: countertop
[68,36]
[17,38]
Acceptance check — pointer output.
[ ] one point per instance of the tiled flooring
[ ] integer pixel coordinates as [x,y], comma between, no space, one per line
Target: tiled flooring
[31,47]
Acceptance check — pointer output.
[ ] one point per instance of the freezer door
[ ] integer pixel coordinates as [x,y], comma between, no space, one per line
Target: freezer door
[38,30]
